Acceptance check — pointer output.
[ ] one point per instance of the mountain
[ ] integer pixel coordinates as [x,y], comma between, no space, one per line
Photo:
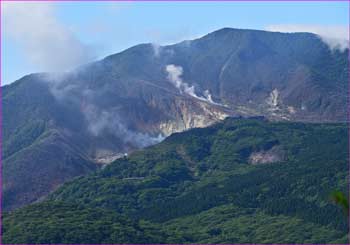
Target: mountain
[57,126]
[240,180]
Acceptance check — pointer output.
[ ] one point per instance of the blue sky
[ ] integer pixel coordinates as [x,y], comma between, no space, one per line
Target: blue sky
[58,36]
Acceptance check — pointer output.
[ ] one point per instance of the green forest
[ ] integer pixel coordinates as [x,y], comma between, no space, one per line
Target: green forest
[238,181]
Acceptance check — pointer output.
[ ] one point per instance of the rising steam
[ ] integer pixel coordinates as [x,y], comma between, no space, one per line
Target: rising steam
[102,121]
[174,76]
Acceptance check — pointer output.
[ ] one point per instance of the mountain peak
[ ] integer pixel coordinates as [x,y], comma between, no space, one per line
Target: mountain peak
[130,100]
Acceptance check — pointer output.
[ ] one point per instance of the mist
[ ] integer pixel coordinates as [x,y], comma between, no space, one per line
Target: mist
[43,39]
[103,121]
[99,121]
[336,37]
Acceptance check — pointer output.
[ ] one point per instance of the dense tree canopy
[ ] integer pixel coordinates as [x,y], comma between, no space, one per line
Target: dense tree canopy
[201,186]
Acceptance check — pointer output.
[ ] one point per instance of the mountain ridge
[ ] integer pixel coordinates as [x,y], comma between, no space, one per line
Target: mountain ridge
[137,97]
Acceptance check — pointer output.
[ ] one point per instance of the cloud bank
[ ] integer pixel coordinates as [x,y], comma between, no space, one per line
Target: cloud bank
[43,39]
[337,37]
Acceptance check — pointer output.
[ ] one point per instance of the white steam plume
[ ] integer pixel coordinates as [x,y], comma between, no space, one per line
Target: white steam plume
[174,76]
[208,96]
[43,39]
[100,121]
[157,49]
[336,37]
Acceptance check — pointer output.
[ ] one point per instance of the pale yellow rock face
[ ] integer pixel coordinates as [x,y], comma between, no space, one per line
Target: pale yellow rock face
[204,116]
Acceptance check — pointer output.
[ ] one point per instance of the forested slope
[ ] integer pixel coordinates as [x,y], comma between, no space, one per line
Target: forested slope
[239,181]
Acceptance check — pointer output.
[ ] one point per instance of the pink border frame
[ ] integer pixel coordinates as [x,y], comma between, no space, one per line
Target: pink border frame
[1,128]
[174,0]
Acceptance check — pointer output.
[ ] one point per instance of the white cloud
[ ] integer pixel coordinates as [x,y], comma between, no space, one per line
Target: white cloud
[42,38]
[336,36]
